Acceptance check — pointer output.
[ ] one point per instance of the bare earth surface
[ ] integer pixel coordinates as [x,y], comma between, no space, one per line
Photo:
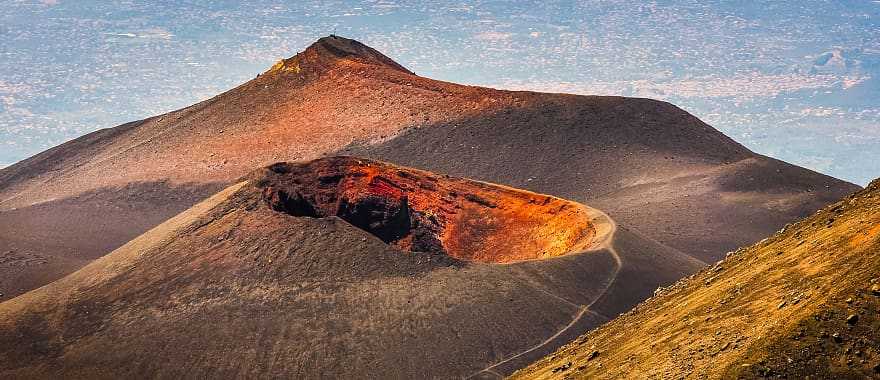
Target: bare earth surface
[671,179]
[803,303]
[238,286]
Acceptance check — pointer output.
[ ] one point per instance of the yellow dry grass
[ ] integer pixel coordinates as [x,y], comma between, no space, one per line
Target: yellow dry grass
[755,308]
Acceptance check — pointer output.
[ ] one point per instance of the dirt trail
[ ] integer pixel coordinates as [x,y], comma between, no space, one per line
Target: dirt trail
[605,230]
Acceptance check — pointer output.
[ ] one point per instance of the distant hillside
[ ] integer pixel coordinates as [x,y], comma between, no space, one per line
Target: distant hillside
[803,303]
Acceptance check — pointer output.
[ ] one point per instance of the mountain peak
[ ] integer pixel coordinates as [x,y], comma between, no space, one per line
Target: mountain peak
[329,51]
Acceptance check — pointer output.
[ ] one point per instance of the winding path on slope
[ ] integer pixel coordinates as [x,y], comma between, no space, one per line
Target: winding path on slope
[605,230]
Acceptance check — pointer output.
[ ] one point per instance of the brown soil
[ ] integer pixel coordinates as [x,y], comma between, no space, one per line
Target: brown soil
[803,303]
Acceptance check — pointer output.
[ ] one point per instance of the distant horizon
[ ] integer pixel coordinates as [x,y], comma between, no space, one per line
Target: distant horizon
[794,81]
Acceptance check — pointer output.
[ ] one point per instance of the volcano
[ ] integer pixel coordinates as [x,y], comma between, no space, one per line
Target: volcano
[344,268]
[650,165]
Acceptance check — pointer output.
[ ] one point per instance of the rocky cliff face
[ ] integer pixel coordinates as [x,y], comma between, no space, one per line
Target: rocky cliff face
[419,211]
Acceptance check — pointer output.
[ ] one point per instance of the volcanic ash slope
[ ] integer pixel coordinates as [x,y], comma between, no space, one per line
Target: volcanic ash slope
[340,267]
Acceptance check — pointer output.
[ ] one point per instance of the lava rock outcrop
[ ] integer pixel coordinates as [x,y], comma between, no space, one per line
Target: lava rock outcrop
[423,212]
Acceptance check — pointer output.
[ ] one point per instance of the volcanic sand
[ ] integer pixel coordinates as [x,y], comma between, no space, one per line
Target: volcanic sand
[233,287]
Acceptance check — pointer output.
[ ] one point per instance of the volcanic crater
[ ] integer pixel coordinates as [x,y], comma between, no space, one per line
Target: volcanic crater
[420,211]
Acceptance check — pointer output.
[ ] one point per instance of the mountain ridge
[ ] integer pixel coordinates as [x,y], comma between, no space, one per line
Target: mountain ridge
[637,159]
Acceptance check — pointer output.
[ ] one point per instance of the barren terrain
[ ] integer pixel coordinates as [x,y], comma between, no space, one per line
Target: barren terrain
[654,168]
[239,286]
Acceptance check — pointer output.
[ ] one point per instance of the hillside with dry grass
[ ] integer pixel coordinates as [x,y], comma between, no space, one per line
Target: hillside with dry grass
[802,303]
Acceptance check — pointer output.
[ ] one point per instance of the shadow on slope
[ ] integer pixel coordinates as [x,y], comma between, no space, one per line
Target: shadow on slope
[650,165]
[231,288]
[46,241]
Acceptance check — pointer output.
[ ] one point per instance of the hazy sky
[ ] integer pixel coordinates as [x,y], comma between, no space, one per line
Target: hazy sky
[796,80]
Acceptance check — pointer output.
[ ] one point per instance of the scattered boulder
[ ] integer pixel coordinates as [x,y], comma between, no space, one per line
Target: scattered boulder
[562,368]
[852,319]
[765,371]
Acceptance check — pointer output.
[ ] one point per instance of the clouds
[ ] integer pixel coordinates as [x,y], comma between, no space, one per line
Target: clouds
[752,70]
[493,36]
[151,33]
[740,87]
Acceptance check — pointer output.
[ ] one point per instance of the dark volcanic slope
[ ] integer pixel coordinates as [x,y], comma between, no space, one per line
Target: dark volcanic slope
[649,164]
[234,288]
[804,303]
